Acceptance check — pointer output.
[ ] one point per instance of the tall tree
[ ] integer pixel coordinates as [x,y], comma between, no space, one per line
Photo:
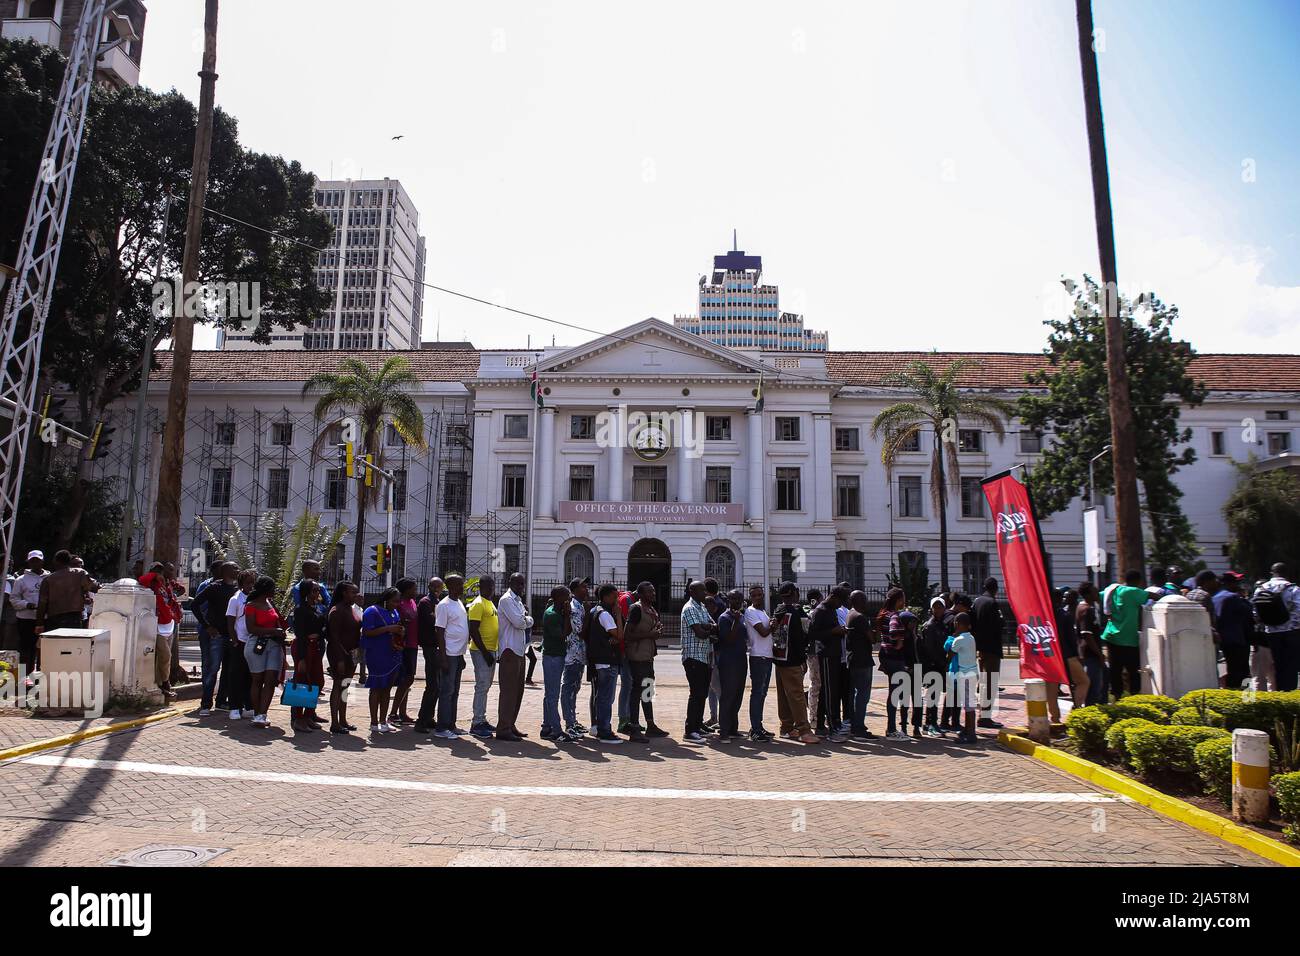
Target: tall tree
[138,145]
[1263,515]
[1074,409]
[375,396]
[939,402]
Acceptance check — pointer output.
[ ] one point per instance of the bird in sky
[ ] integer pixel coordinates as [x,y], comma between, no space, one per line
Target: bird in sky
[399,136]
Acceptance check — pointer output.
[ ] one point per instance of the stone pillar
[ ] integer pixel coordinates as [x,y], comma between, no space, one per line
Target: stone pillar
[614,455]
[1250,776]
[685,463]
[1040,725]
[822,484]
[481,479]
[754,510]
[545,504]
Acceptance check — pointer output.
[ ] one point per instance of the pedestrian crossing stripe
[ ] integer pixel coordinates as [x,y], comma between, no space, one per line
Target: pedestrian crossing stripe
[627,793]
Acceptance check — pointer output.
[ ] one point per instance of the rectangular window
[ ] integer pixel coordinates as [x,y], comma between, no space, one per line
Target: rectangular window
[850,566]
[1279,443]
[399,490]
[1277,415]
[392,437]
[455,492]
[717,484]
[336,489]
[649,483]
[911,443]
[787,428]
[1031,443]
[846,439]
[788,570]
[787,489]
[582,427]
[909,496]
[970,440]
[972,498]
[220,488]
[516,426]
[974,571]
[277,489]
[225,433]
[717,428]
[582,482]
[848,496]
[282,433]
[512,558]
[513,486]
[1217,444]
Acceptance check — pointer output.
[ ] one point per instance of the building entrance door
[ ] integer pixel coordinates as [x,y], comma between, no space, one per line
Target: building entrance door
[650,560]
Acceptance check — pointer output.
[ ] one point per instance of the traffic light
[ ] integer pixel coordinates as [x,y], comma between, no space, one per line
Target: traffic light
[347,459]
[51,410]
[99,441]
[383,556]
[370,471]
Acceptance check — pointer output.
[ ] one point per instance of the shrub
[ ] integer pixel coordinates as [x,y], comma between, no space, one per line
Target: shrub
[1287,788]
[1159,701]
[1115,742]
[1123,710]
[1197,717]
[1169,749]
[1087,727]
[1258,711]
[1213,759]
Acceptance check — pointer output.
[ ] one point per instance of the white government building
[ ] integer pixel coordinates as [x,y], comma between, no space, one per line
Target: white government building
[796,491]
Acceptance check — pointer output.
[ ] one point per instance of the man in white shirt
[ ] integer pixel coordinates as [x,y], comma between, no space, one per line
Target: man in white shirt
[758,628]
[514,628]
[235,678]
[451,631]
[25,596]
[1283,629]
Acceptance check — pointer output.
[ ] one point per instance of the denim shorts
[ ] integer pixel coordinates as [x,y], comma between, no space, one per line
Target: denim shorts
[271,658]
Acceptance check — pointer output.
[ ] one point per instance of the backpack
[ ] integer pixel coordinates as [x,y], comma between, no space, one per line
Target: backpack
[1269,607]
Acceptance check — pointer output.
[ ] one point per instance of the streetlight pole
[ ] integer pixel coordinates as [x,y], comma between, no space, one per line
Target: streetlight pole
[1123,432]
[141,405]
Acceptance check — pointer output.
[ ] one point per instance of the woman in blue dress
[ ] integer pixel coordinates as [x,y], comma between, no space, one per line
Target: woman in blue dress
[382,634]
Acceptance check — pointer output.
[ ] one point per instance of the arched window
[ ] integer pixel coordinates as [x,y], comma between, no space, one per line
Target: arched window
[720,563]
[579,562]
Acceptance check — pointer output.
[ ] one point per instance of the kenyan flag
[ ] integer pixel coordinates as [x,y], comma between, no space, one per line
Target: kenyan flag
[535,390]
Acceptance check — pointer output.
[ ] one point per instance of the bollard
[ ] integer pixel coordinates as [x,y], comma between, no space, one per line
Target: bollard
[1250,776]
[1040,725]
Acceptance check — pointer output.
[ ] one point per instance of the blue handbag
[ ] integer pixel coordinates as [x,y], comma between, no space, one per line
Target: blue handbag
[300,695]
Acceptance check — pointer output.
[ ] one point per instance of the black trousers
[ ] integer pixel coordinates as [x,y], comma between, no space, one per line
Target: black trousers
[1124,660]
[831,705]
[731,680]
[1286,658]
[698,676]
[643,679]
[235,683]
[1237,657]
[429,699]
[27,643]
[846,693]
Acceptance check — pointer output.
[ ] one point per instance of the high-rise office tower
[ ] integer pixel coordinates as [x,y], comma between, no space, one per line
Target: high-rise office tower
[373,269]
[737,311]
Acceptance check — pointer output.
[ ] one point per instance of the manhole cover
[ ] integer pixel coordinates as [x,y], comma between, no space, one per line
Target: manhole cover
[169,856]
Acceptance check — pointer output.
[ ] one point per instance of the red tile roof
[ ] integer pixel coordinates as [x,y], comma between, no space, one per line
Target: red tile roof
[1219,372]
[290,365]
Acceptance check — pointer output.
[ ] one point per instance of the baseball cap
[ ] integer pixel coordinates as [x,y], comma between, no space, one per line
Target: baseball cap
[35,553]
[1233,575]
[938,601]
[578,582]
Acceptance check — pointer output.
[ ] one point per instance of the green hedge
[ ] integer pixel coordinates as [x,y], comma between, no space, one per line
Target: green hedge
[1159,701]
[1197,717]
[1154,749]
[1087,727]
[1213,760]
[1116,735]
[1132,707]
[1259,711]
[1287,788]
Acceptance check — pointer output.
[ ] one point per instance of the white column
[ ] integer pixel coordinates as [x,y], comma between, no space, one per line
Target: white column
[480,480]
[546,462]
[823,485]
[754,506]
[614,456]
[685,463]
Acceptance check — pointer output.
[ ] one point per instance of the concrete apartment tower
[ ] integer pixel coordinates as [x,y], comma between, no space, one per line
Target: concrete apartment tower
[54,23]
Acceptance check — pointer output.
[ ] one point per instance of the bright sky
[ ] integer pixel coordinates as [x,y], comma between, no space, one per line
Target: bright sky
[914,174]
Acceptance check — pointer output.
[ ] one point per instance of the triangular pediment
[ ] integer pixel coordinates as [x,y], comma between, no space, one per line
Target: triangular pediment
[650,347]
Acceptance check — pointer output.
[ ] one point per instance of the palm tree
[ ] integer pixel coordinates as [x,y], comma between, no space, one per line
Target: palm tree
[938,402]
[376,397]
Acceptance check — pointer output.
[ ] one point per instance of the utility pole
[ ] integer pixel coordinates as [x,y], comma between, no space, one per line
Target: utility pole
[168,521]
[141,407]
[1123,435]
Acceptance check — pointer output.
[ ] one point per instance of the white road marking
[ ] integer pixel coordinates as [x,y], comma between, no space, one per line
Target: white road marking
[634,793]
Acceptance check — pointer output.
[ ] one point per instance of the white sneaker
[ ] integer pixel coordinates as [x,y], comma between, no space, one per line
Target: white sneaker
[376,728]
[446,734]
[205,712]
[260,720]
[235,714]
[386,728]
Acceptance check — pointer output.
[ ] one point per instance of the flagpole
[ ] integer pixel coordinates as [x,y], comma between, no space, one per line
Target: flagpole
[535,393]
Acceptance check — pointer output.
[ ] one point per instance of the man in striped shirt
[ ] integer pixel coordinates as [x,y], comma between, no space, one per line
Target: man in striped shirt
[698,630]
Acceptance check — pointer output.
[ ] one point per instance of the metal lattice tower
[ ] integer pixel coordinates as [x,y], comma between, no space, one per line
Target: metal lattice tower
[28,302]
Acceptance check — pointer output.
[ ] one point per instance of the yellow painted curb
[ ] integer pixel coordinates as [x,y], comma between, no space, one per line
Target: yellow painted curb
[1163,804]
[76,737]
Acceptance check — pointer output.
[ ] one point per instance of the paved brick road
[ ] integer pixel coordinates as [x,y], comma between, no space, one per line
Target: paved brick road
[261,795]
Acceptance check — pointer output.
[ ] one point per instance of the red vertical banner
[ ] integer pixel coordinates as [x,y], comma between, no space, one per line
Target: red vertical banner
[1025,578]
